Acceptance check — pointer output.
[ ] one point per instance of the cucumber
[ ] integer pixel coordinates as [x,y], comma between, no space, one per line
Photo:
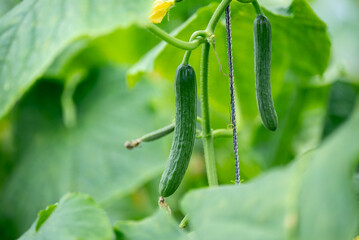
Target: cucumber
[262,61]
[184,132]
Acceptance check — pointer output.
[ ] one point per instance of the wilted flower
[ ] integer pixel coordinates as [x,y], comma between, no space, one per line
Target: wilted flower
[159,10]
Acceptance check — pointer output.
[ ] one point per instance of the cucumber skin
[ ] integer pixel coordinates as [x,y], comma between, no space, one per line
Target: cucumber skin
[262,62]
[185,130]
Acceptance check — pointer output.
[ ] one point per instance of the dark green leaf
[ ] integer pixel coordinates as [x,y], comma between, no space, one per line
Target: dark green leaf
[340,105]
[36,31]
[159,226]
[6,5]
[77,216]
[89,157]
[308,200]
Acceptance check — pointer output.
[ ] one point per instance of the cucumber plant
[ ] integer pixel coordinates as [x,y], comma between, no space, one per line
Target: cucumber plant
[184,127]
[185,94]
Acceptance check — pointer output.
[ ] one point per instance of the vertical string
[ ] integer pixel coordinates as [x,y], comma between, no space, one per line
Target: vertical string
[231,83]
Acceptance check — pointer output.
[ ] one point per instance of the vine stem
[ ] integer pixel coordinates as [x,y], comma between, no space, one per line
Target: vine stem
[191,45]
[184,222]
[172,40]
[257,7]
[222,133]
[232,90]
[217,15]
[206,126]
[196,34]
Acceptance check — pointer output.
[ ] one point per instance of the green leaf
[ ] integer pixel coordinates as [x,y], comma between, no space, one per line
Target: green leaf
[275,4]
[77,216]
[89,157]
[301,113]
[342,19]
[159,226]
[6,5]
[44,215]
[146,64]
[36,31]
[294,62]
[340,105]
[311,199]
[300,46]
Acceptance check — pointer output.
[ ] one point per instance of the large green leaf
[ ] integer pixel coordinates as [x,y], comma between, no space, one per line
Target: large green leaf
[159,226]
[294,61]
[342,19]
[6,5]
[90,157]
[341,102]
[77,216]
[300,45]
[36,31]
[301,115]
[310,199]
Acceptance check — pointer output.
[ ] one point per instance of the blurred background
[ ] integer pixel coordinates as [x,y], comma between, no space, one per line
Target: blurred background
[67,133]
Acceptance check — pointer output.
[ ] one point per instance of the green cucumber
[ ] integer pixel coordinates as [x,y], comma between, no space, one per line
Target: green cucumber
[262,61]
[185,130]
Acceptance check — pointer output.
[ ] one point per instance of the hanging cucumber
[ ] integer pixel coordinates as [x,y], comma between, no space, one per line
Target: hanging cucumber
[185,130]
[262,56]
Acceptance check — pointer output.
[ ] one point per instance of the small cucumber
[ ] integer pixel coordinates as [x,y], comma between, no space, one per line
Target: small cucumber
[185,130]
[262,61]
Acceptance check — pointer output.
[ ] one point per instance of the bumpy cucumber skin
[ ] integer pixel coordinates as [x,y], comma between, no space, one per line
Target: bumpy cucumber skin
[262,56]
[185,130]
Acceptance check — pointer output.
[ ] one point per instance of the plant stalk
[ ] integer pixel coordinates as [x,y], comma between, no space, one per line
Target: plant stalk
[172,40]
[184,222]
[152,136]
[222,133]
[217,15]
[257,7]
[206,125]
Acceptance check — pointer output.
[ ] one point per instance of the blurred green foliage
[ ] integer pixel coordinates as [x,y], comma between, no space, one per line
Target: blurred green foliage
[76,66]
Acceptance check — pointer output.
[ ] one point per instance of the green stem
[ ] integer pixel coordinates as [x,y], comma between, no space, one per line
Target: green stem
[217,15]
[257,7]
[207,137]
[206,126]
[222,133]
[67,103]
[196,34]
[184,222]
[158,133]
[186,57]
[172,40]
[152,136]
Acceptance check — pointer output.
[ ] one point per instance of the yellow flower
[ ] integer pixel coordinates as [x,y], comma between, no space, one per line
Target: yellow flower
[159,10]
